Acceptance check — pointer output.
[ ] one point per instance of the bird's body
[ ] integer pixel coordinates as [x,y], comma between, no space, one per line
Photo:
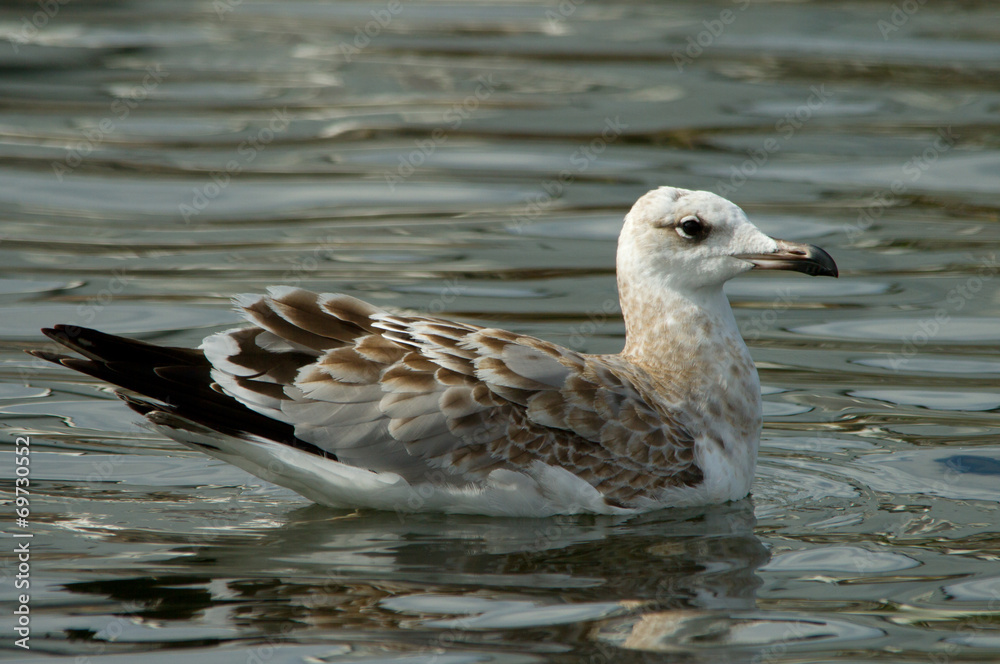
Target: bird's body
[353,406]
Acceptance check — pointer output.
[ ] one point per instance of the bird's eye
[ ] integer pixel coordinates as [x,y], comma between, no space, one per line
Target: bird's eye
[692,228]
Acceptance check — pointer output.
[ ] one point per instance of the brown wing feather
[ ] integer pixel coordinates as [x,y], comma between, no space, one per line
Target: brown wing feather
[457,400]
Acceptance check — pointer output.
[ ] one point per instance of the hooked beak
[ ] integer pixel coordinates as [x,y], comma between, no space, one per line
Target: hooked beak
[795,256]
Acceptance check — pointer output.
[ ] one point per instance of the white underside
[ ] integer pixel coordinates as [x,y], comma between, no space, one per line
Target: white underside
[541,491]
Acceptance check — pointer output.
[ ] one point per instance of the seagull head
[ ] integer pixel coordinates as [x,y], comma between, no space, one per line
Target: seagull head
[688,241]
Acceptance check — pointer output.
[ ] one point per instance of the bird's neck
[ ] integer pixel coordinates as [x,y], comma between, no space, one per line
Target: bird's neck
[691,351]
[689,339]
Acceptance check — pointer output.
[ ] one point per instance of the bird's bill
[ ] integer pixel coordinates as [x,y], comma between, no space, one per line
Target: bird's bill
[795,256]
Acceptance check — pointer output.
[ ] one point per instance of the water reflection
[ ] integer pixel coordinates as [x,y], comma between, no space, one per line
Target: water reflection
[423,573]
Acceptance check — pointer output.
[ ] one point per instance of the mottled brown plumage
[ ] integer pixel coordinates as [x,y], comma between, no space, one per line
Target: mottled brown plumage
[351,405]
[456,397]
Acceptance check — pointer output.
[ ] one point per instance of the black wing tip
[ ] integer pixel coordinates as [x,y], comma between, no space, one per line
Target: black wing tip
[140,406]
[68,361]
[55,358]
[170,377]
[61,331]
[73,337]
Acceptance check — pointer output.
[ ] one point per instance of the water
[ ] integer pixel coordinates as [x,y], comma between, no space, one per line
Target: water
[476,161]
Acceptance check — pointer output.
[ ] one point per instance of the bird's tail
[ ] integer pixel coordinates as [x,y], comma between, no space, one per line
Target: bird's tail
[179,380]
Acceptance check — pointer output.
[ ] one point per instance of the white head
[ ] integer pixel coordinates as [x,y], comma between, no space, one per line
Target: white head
[688,241]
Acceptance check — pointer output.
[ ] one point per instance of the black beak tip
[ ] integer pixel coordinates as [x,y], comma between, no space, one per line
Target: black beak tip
[821,263]
[805,258]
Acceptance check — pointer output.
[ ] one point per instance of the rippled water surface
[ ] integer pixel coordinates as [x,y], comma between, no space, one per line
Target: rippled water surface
[475,160]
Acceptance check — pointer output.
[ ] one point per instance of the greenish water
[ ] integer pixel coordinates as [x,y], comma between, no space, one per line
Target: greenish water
[475,160]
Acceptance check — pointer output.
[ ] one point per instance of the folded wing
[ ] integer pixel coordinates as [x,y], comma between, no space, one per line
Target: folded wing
[447,402]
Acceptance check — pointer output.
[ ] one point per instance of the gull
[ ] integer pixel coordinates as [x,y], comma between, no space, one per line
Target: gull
[353,406]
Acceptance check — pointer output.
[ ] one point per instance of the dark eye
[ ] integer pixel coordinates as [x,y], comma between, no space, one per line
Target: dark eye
[692,228]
